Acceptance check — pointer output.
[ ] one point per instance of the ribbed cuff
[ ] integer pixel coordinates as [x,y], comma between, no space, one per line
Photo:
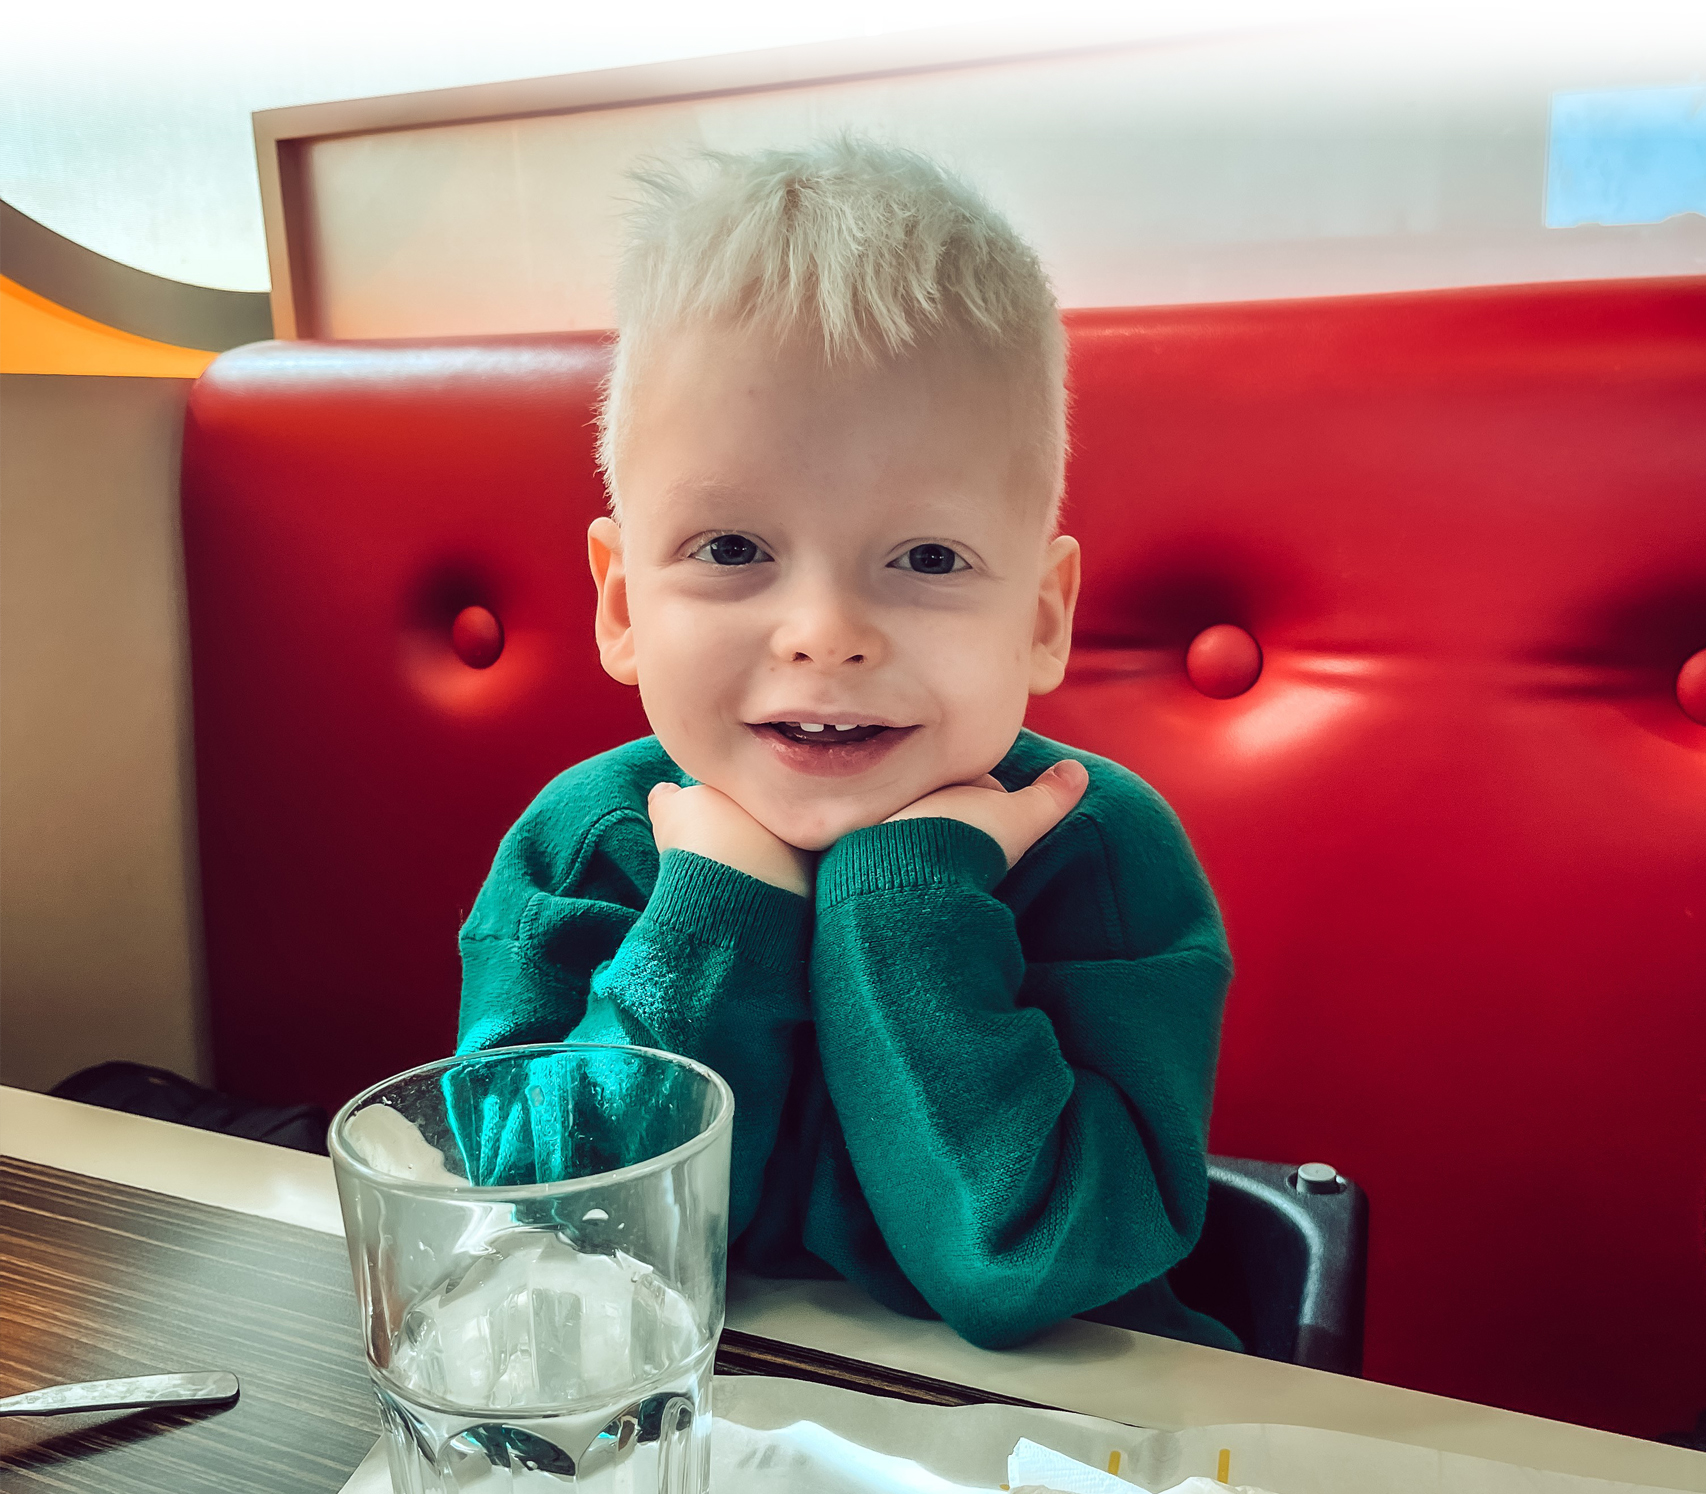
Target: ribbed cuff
[707,900]
[909,854]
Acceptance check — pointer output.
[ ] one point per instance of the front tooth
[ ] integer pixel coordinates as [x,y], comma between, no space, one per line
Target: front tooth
[809,725]
[851,726]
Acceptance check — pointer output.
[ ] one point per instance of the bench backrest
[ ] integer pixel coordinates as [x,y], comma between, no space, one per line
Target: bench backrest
[1457,824]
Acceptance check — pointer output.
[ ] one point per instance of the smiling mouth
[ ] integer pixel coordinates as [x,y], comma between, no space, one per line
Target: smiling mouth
[829,749]
[823,733]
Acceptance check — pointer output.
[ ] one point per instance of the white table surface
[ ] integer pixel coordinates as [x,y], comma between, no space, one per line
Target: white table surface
[1108,1372]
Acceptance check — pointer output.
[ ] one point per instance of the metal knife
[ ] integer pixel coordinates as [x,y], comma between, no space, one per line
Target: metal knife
[207,1388]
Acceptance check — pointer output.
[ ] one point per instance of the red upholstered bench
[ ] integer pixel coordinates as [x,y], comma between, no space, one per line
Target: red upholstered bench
[1434,758]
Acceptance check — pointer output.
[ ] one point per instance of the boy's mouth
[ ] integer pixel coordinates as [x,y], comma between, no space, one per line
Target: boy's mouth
[824,733]
[831,749]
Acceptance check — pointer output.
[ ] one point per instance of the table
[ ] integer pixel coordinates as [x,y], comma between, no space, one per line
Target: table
[101,1281]
[211,1245]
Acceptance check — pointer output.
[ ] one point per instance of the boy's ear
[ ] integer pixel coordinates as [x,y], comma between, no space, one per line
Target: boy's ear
[612,626]
[1051,644]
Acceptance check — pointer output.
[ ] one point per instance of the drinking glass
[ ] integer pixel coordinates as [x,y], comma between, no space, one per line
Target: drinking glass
[539,1237]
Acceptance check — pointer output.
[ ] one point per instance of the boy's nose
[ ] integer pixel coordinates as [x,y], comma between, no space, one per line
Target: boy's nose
[827,628]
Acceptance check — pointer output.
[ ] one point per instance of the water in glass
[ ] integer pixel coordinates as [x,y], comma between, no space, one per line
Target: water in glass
[544,1367]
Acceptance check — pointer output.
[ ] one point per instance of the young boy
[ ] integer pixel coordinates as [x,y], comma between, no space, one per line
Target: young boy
[965,983]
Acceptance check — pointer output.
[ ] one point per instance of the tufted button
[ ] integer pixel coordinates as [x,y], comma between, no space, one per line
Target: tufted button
[1223,661]
[477,636]
[1691,687]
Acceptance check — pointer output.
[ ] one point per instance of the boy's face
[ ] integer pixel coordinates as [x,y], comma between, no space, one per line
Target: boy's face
[804,547]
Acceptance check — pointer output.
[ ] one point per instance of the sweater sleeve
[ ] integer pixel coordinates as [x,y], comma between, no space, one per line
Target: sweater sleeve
[715,970]
[1029,1136]
[570,944]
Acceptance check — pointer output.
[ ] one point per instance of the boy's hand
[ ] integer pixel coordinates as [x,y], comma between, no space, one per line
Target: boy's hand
[710,824]
[1016,822]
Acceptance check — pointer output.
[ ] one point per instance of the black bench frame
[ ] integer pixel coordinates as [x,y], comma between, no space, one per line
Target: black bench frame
[1284,1267]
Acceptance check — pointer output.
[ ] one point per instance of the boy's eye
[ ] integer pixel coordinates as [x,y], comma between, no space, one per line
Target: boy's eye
[931,560]
[730,549]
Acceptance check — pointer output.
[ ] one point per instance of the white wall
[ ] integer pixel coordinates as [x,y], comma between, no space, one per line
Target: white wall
[1296,161]
[126,127]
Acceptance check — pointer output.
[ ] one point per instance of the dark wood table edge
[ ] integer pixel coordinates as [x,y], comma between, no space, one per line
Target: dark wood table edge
[738,1352]
[741,1353]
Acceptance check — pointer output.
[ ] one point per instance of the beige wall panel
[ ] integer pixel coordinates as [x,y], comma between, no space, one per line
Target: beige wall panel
[98,938]
[1265,165]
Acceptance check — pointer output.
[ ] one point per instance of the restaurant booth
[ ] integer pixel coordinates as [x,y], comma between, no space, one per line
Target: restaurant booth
[1398,597]
[1393,598]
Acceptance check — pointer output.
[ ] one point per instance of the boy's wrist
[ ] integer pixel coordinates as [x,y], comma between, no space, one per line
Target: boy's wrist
[707,900]
[790,873]
[711,825]
[909,855]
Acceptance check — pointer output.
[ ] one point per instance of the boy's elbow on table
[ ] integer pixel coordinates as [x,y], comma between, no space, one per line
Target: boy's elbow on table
[1001,1302]
[1005,1313]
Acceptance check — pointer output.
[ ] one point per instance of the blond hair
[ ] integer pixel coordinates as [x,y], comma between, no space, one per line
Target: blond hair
[871,249]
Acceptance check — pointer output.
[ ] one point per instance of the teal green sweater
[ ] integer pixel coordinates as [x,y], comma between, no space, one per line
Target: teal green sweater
[978,1093]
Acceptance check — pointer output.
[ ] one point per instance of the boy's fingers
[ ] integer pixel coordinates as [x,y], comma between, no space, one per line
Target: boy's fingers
[1055,793]
[660,795]
[1068,779]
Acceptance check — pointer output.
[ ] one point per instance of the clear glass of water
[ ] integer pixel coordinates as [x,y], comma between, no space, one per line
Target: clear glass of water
[539,1237]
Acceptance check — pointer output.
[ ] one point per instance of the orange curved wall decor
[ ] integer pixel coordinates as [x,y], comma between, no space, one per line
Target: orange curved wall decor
[37,336]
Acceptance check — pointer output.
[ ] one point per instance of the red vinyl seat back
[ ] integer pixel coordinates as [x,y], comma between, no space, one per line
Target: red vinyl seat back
[1452,548]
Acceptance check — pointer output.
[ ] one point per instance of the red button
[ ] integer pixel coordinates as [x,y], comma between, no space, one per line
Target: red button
[1223,661]
[477,636]
[1691,688]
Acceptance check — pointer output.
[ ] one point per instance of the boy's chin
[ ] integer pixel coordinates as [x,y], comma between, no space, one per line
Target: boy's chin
[816,827]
